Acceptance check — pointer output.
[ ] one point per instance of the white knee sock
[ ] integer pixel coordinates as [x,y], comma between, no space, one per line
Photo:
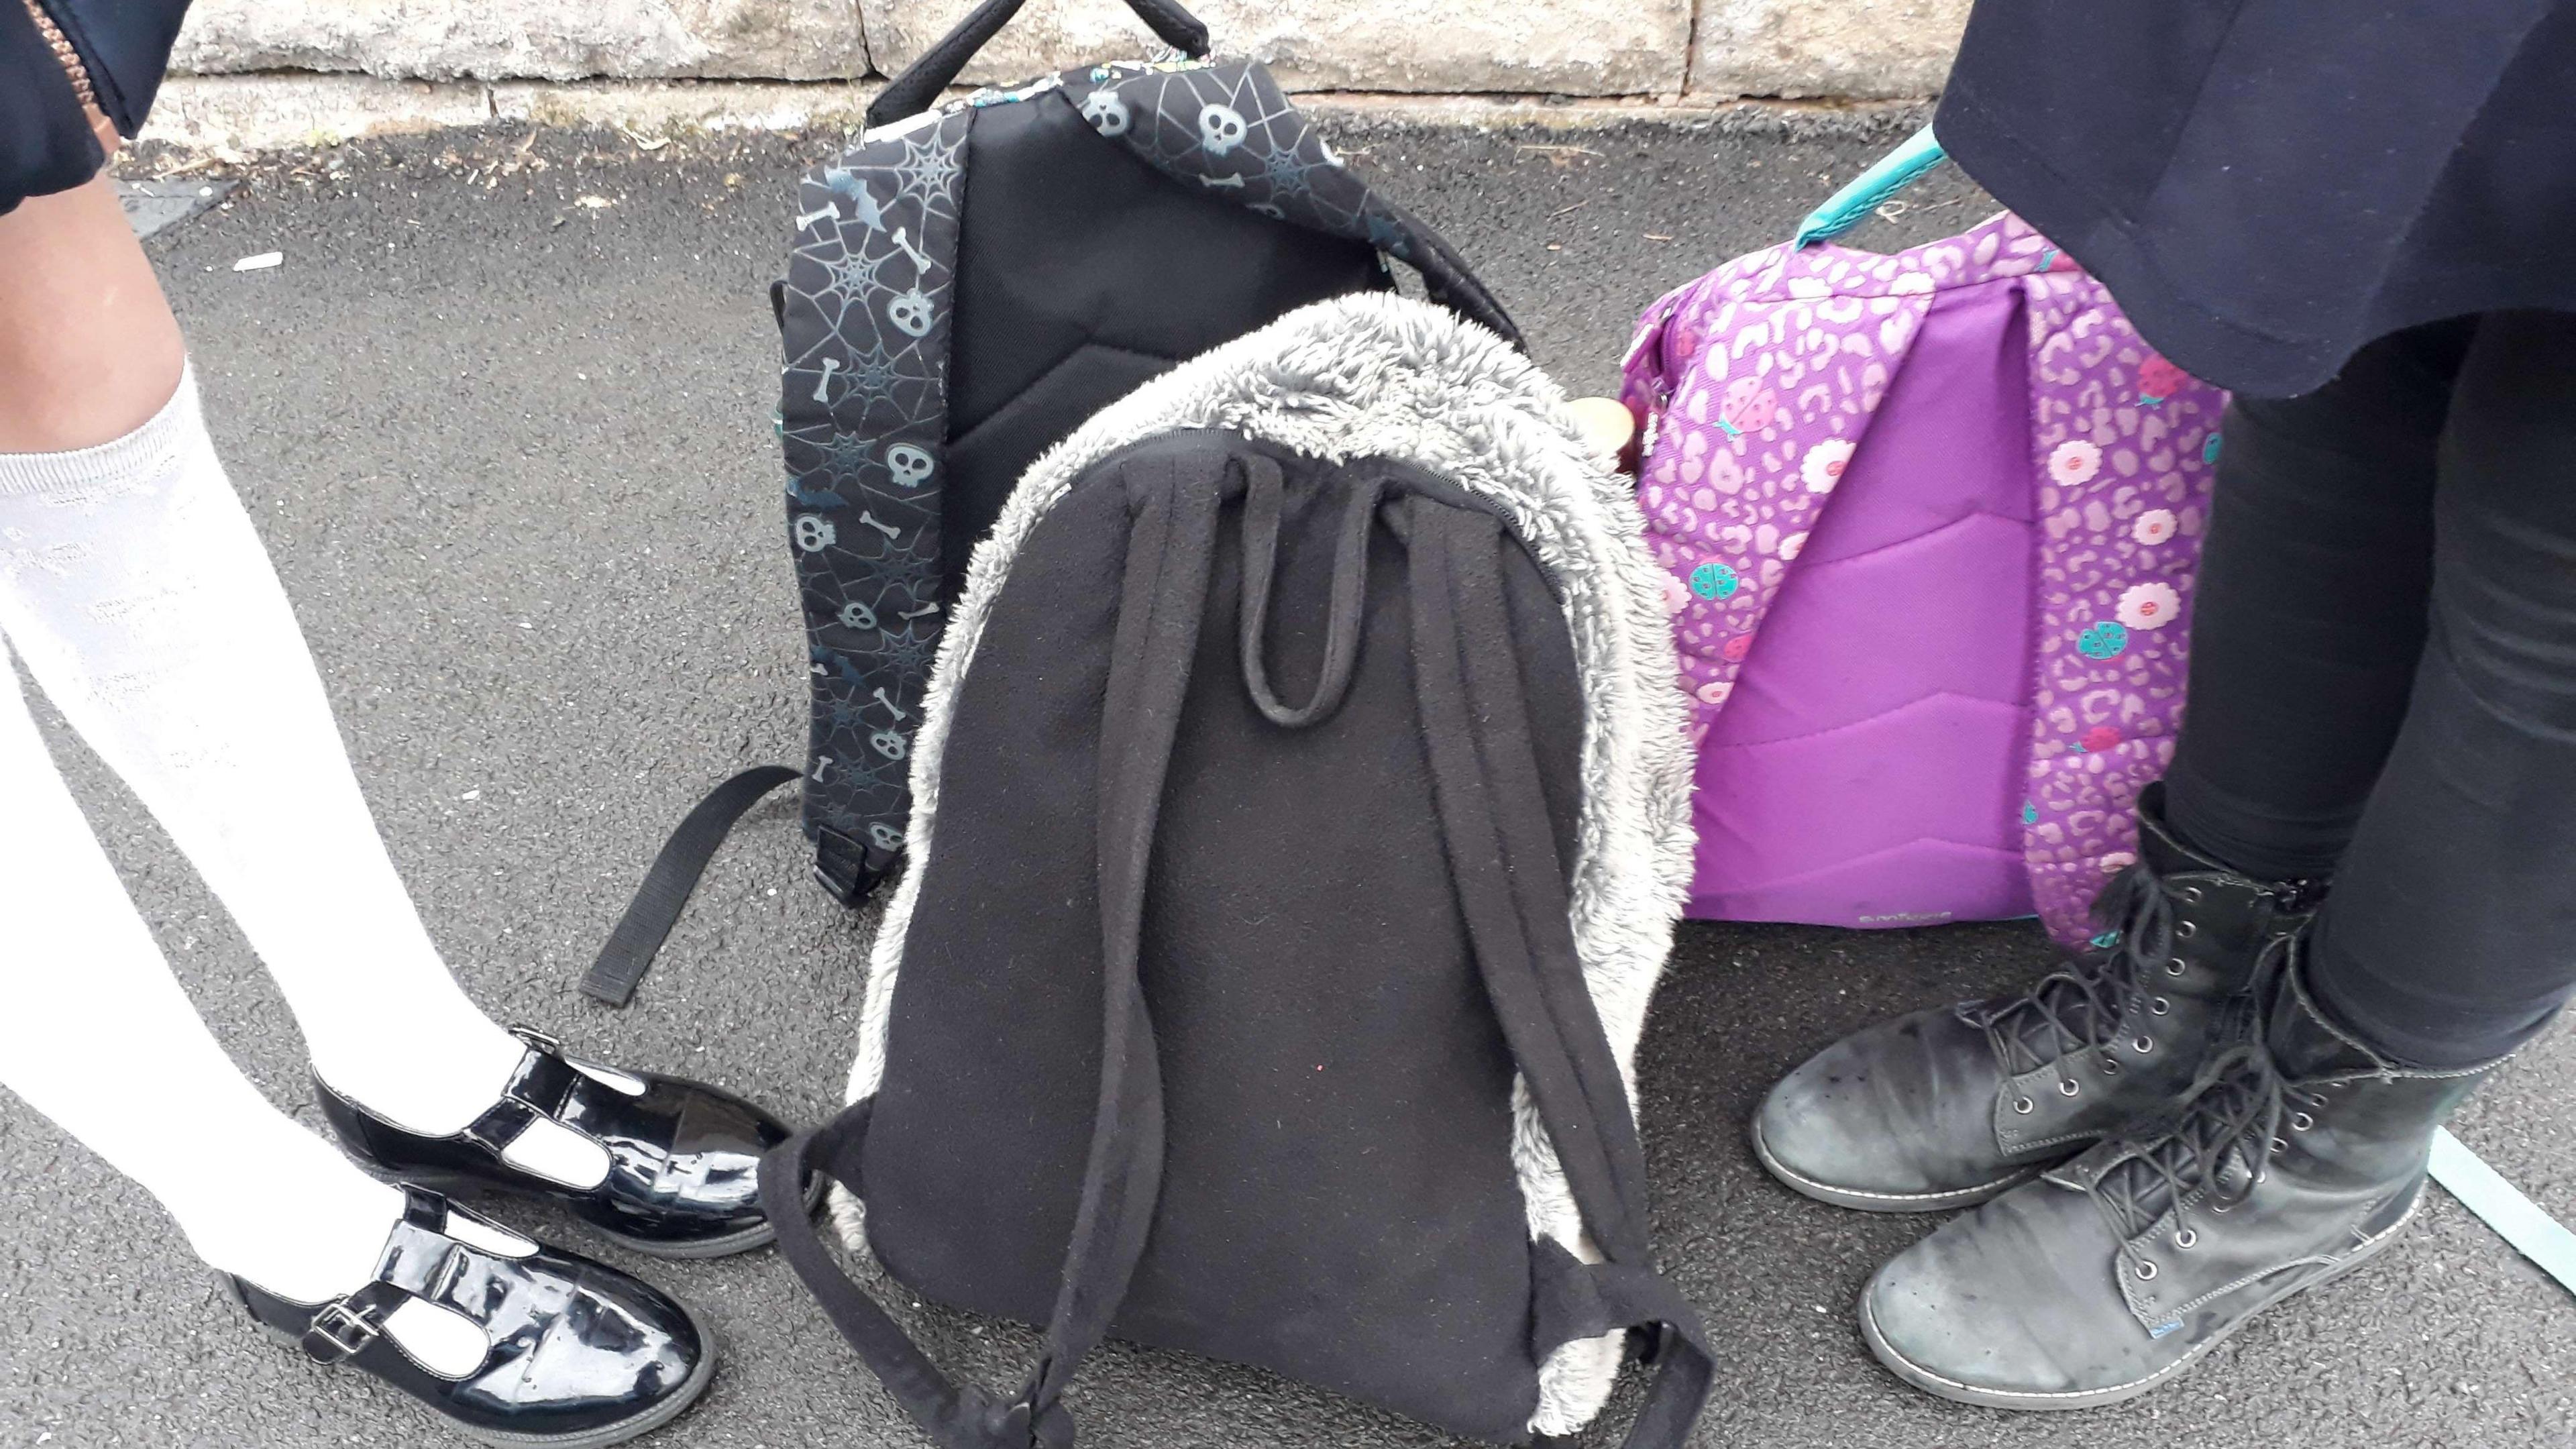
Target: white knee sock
[95,1034]
[137,592]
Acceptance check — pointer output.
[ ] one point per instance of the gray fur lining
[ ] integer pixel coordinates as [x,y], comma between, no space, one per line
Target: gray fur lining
[1383,376]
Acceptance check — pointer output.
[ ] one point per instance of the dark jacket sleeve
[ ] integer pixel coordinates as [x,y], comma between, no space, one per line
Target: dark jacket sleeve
[127,46]
[45,140]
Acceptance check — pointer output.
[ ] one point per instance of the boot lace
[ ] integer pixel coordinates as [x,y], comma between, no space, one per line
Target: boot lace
[2221,1136]
[2081,1006]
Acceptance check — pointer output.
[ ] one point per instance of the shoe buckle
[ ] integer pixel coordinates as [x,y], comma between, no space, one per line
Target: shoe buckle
[342,1332]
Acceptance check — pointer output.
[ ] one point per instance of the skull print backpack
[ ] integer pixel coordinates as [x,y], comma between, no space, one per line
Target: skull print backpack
[968,284]
[1301,833]
[1930,523]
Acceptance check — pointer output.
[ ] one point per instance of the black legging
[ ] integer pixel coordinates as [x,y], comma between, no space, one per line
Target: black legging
[2383,678]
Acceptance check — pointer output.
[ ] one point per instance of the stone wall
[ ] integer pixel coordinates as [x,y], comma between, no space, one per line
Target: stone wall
[1872,48]
[1716,49]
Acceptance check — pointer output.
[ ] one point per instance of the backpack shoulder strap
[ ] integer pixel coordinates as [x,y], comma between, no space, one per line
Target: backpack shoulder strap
[2129,446]
[1171,554]
[865,315]
[1229,130]
[954,1418]
[665,892]
[1511,893]
[1753,424]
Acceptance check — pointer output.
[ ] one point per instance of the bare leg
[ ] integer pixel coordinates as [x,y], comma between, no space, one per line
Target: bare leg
[88,348]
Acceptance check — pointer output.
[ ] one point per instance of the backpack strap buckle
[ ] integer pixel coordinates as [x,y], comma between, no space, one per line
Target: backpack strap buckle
[847,870]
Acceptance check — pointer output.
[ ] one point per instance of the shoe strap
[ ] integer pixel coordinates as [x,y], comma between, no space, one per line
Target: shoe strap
[420,1261]
[540,1087]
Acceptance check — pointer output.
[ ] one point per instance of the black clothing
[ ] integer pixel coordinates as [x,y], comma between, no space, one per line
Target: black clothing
[2383,679]
[45,141]
[2315,574]
[2269,185]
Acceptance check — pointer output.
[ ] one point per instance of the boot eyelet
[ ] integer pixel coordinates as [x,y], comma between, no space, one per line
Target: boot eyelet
[2066,1086]
[2186,1240]
[2191,894]
[2146,1270]
[2279,1149]
[2024,1106]
[2220,1207]
[2301,1121]
[2109,1066]
[2176,966]
[2185,930]
[2143,1045]
[2160,1006]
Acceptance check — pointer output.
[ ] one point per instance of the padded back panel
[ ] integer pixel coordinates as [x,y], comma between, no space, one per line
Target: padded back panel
[1868,767]
[1081,272]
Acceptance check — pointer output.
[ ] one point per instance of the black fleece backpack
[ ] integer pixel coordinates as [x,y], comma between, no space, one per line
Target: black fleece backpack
[967,286]
[1303,821]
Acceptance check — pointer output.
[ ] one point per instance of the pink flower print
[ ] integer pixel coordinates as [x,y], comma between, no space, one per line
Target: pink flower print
[1715,691]
[2150,606]
[1737,647]
[2074,462]
[2156,525]
[1748,407]
[1792,546]
[1677,595]
[1686,342]
[1824,464]
[2100,738]
[2159,379]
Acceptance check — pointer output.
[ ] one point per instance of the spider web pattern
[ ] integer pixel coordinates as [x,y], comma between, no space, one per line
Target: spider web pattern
[865,312]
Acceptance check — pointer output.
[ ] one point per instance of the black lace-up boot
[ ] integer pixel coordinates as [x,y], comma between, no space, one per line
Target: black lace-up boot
[1948,1107]
[2299,1157]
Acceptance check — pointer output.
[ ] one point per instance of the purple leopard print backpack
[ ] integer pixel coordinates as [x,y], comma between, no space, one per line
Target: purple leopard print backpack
[1930,522]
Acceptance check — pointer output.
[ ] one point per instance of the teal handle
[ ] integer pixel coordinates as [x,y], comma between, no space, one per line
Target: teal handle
[1871,189]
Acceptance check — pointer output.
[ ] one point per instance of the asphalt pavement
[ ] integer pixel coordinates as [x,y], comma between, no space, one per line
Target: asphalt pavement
[507,429]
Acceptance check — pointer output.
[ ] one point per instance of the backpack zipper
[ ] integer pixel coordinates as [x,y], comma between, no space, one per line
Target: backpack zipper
[74,68]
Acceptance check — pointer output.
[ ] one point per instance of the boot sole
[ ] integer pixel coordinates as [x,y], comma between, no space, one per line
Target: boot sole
[634,1426]
[1951,1389]
[1884,1202]
[462,1188]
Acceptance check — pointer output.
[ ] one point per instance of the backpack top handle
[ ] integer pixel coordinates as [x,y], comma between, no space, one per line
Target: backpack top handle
[1872,189]
[914,91]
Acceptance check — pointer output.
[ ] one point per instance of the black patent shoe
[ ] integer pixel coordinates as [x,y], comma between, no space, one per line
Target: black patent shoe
[574,1354]
[684,1158]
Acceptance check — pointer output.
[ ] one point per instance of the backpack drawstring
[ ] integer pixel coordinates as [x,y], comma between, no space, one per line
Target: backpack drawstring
[1263,497]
